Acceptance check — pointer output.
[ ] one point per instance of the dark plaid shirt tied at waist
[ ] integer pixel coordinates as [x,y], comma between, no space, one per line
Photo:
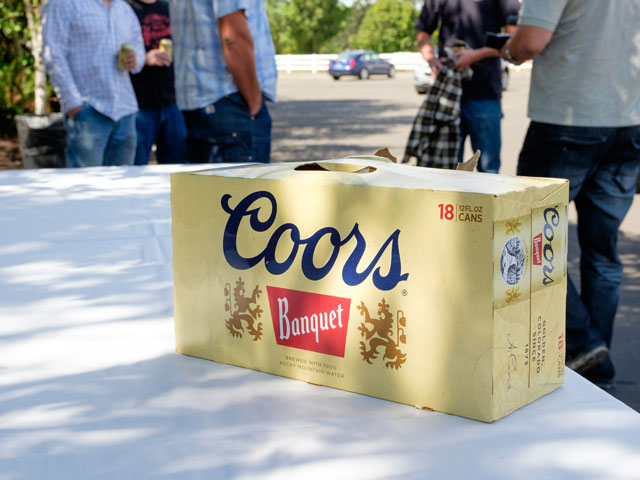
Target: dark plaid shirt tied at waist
[435,136]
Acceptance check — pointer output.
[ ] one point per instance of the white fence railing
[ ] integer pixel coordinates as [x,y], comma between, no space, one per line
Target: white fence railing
[402,61]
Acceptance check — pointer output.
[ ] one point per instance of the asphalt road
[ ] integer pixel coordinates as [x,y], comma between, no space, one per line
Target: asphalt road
[317,118]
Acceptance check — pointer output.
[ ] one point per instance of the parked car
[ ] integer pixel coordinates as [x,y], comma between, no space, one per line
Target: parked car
[422,79]
[361,63]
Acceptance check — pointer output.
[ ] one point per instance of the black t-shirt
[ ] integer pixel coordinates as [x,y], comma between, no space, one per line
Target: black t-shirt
[470,20]
[154,86]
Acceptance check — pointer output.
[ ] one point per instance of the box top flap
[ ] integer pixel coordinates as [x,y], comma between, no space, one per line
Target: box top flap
[380,172]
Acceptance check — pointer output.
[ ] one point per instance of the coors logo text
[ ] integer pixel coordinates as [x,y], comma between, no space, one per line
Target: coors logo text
[352,272]
[551,221]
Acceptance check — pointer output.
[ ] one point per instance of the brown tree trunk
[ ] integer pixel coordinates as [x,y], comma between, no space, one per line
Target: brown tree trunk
[34,20]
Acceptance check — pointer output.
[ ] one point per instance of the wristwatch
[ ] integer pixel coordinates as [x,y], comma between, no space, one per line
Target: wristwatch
[507,55]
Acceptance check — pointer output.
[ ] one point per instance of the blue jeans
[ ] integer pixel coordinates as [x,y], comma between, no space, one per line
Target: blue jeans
[602,166]
[165,127]
[93,139]
[225,132]
[480,119]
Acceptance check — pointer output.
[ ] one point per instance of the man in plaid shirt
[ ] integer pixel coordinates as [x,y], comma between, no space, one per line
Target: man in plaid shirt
[469,21]
[225,71]
[82,40]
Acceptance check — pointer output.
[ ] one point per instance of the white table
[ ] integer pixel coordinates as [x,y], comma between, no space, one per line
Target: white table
[91,388]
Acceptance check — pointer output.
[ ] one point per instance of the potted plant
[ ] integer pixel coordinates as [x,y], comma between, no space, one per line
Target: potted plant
[41,135]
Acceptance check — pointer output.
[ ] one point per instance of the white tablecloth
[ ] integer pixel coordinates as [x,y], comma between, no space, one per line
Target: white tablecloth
[91,388]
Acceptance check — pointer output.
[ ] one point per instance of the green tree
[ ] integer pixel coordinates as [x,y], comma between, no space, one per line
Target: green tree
[33,12]
[23,85]
[303,26]
[15,66]
[388,26]
[345,38]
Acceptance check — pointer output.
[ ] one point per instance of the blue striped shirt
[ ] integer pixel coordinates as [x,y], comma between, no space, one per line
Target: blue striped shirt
[202,76]
[81,42]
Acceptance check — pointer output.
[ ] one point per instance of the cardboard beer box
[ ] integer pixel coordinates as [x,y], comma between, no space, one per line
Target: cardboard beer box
[440,289]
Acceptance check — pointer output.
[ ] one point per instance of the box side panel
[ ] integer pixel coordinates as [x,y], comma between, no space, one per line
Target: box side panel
[549,225]
[530,333]
[512,303]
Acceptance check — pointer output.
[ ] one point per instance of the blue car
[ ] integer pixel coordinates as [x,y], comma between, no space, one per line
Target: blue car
[361,63]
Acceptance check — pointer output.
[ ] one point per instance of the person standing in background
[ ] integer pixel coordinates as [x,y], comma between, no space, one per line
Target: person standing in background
[159,121]
[225,72]
[584,105]
[468,21]
[89,48]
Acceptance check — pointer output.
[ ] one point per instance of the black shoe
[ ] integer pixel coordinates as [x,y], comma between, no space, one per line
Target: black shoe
[605,384]
[588,359]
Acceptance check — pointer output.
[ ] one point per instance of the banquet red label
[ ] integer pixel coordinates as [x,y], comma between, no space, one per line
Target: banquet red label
[537,249]
[309,321]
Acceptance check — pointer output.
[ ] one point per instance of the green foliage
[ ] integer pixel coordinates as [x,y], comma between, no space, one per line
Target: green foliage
[328,26]
[16,64]
[435,38]
[388,26]
[303,26]
[345,38]
[17,72]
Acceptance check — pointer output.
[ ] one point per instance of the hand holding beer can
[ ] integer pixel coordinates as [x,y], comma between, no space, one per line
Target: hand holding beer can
[166,46]
[125,49]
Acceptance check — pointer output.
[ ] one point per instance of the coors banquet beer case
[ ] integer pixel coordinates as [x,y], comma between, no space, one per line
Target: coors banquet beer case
[440,289]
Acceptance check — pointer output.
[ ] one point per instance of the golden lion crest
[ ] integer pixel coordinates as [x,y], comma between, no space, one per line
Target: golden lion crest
[243,311]
[513,294]
[513,226]
[380,333]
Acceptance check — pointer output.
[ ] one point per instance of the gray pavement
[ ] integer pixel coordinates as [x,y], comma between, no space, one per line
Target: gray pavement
[318,118]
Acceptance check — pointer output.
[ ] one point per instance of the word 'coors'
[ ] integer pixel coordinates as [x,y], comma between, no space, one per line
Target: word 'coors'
[350,273]
[549,234]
